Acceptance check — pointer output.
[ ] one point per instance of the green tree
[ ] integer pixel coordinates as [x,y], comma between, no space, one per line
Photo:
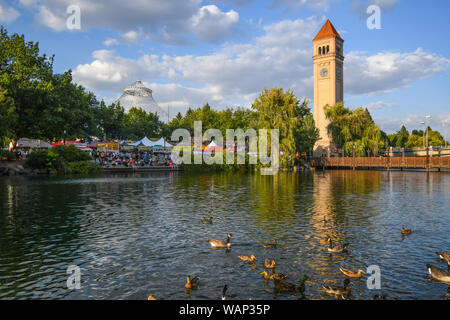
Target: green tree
[400,138]
[137,123]
[26,76]
[355,130]
[281,110]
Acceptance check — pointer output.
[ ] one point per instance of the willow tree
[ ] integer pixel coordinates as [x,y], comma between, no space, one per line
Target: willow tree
[277,109]
[355,130]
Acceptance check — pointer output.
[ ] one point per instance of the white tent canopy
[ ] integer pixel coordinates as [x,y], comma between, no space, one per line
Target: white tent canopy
[212,144]
[148,143]
[143,142]
[161,142]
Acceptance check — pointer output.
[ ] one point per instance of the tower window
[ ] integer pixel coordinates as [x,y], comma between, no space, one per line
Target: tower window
[328,49]
[323,49]
[320,51]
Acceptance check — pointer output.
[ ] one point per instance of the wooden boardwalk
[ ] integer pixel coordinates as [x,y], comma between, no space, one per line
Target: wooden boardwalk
[141,169]
[388,163]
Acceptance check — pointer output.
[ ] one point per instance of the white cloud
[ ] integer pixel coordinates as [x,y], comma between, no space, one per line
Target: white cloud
[387,71]
[111,42]
[211,24]
[380,105]
[281,57]
[131,37]
[8,14]
[172,21]
[47,18]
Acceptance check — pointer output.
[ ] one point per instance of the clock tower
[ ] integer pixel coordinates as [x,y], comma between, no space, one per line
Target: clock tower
[328,80]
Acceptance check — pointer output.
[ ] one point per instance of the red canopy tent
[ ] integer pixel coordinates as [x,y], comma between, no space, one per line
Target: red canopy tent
[62,143]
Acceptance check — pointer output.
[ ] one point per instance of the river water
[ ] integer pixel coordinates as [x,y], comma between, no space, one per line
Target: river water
[133,235]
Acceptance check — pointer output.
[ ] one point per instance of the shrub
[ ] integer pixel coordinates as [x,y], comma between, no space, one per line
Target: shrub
[71,153]
[83,167]
[37,159]
[10,156]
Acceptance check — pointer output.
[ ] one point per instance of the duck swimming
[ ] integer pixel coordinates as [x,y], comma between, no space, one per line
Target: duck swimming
[352,274]
[221,244]
[269,265]
[191,283]
[207,221]
[271,245]
[224,291]
[251,259]
[439,274]
[444,255]
[406,231]
[273,276]
[337,248]
[338,291]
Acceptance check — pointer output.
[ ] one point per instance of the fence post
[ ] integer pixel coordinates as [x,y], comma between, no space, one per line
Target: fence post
[440,160]
[389,159]
[353,156]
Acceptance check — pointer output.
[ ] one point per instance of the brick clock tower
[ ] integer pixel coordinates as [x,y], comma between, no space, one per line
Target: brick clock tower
[328,80]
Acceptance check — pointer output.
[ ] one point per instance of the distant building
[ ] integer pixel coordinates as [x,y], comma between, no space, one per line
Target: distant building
[139,96]
[328,80]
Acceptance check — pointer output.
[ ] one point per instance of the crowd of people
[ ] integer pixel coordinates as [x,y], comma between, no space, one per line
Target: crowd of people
[132,159]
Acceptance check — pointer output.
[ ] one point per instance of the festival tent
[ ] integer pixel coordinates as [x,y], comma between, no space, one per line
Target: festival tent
[62,143]
[33,144]
[161,142]
[212,146]
[143,142]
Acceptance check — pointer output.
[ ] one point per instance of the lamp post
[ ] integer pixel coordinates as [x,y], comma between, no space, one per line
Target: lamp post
[426,126]
[445,125]
[423,135]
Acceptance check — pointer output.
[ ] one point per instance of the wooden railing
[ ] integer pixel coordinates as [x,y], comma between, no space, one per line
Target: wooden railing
[383,162]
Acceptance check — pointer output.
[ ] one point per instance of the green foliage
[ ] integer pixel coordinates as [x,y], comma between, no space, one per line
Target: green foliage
[272,109]
[36,103]
[71,153]
[400,138]
[37,159]
[355,129]
[137,123]
[281,110]
[62,159]
[418,139]
[10,156]
[83,167]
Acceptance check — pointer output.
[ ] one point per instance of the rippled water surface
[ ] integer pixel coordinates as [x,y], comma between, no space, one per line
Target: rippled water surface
[136,235]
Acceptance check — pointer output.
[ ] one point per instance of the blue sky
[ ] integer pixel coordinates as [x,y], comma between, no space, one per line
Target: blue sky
[224,52]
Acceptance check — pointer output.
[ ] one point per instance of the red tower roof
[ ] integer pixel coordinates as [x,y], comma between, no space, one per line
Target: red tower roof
[327,31]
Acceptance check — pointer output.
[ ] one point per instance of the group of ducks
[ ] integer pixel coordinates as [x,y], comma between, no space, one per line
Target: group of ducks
[282,286]
[435,272]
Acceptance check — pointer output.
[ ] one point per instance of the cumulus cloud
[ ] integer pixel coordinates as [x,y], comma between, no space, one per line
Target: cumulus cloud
[163,20]
[131,37]
[281,57]
[8,14]
[211,24]
[387,71]
[111,42]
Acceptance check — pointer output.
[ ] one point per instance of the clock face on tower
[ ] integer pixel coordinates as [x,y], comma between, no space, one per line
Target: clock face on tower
[324,72]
